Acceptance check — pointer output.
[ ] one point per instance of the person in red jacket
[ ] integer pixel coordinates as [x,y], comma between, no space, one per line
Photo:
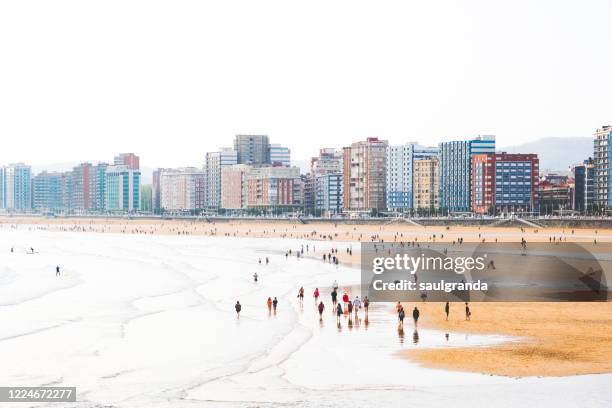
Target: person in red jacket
[316,294]
[345,300]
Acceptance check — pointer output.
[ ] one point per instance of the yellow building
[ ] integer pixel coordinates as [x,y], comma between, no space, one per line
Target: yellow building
[425,184]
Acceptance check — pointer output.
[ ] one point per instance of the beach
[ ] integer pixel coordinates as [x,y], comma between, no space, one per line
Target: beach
[149,299]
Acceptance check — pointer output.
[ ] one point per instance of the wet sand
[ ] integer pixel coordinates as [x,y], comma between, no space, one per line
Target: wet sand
[553,339]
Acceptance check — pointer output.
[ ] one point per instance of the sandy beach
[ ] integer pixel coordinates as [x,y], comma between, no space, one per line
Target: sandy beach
[552,339]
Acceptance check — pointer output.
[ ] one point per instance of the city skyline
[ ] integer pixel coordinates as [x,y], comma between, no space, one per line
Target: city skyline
[368,177]
[400,71]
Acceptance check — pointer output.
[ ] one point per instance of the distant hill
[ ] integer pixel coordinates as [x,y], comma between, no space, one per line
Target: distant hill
[556,153]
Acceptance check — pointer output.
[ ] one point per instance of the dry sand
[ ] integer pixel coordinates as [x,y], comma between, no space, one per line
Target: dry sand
[555,339]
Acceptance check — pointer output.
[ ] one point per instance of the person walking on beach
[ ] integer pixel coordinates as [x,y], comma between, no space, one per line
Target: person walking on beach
[301,295]
[400,315]
[415,315]
[366,305]
[398,307]
[57,271]
[335,285]
[274,304]
[468,313]
[238,308]
[447,310]
[321,308]
[316,294]
[334,296]
[338,312]
[356,304]
[345,299]
[269,303]
[350,308]
[267,260]
[255,277]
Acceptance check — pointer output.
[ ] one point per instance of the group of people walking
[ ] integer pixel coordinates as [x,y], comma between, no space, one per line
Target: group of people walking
[346,307]
[401,314]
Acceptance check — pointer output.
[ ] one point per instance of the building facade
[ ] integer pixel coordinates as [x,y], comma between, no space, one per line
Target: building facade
[81,187]
[18,187]
[400,173]
[178,189]
[555,196]
[280,155]
[425,185]
[2,189]
[97,187]
[364,175]
[252,149]
[456,171]
[516,183]
[47,191]
[328,194]
[601,163]
[329,161]
[213,167]
[127,159]
[122,189]
[584,187]
[273,188]
[483,183]
[234,187]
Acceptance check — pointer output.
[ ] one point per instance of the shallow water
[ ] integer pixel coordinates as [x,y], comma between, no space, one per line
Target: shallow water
[149,321]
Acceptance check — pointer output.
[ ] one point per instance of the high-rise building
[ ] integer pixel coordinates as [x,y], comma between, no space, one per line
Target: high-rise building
[483,183]
[364,175]
[329,161]
[516,183]
[456,171]
[97,187]
[81,187]
[234,186]
[66,191]
[127,159]
[122,189]
[252,149]
[155,191]
[18,187]
[584,187]
[279,155]
[2,189]
[273,188]
[328,194]
[47,191]
[425,185]
[506,183]
[400,171]
[178,188]
[215,162]
[601,161]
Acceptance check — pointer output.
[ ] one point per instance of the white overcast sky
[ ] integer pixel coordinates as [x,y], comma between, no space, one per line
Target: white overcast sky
[171,80]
